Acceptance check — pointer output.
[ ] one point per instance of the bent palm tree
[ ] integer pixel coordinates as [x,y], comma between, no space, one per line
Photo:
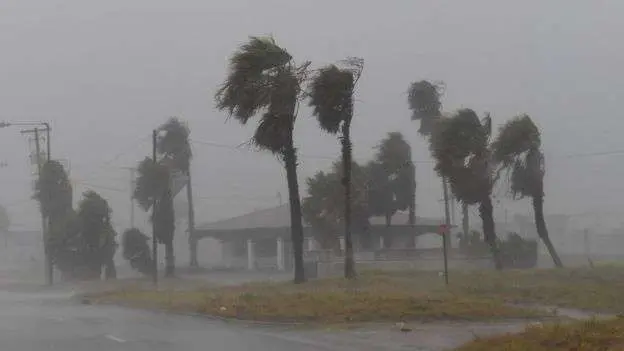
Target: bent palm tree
[174,144]
[152,186]
[517,150]
[331,96]
[264,80]
[460,147]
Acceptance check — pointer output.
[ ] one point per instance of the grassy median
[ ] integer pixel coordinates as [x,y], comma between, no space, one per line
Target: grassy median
[392,296]
[591,335]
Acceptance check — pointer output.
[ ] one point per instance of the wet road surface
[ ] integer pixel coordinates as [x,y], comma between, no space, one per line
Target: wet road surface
[40,319]
[51,321]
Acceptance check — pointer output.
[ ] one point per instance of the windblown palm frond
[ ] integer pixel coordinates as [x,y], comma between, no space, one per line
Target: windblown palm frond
[517,136]
[517,151]
[151,183]
[53,190]
[527,174]
[248,86]
[459,145]
[174,143]
[424,101]
[274,132]
[331,95]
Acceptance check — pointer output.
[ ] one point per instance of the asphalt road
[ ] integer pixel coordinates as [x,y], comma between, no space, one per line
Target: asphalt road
[33,321]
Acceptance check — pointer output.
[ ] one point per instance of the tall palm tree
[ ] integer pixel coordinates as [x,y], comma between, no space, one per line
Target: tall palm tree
[265,81]
[518,151]
[460,146]
[424,100]
[174,145]
[153,186]
[331,95]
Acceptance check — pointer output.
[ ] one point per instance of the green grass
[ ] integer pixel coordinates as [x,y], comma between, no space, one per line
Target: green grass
[591,335]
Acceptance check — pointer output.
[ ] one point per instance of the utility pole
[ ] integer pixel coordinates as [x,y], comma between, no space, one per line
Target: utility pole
[49,269]
[445,234]
[154,204]
[45,227]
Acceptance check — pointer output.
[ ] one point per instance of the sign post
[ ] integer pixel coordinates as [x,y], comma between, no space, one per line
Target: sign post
[444,232]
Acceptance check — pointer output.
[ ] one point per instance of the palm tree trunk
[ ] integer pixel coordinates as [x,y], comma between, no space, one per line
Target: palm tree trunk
[346,182]
[412,207]
[465,221]
[387,238]
[542,231]
[169,259]
[486,211]
[110,272]
[296,225]
[192,240]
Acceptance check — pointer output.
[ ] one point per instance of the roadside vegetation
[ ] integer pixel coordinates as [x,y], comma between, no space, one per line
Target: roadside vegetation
[590,335]
[395,296]
[373,297]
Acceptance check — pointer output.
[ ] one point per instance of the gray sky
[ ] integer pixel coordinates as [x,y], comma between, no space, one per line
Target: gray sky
[105,73]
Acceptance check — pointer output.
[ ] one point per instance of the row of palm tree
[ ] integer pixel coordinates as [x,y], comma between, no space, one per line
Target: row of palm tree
[472,161]
[265,81]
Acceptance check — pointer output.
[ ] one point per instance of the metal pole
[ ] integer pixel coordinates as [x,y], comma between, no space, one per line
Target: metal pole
[49,152]
[49,265]
[43,218]
[154,241]
[132,181]
[445,235]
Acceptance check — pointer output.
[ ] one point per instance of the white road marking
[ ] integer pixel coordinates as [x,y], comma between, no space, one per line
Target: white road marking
[114,338]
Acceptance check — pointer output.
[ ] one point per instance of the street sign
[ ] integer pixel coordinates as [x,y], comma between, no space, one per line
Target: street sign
[442,229]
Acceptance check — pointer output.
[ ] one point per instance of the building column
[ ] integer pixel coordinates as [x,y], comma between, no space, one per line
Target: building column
[251,255]
[280,254]
[310,244]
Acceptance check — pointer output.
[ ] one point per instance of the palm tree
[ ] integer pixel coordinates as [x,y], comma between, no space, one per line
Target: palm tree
[264,81]
[53,190]
[394,153]
[54,193]
[137,251]
[174,145]
[460,146]
[424,101]
[153,186]
[98,234]
[331,96]
[518,151]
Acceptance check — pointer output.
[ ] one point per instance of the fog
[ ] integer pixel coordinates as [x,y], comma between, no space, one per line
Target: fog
[104,74]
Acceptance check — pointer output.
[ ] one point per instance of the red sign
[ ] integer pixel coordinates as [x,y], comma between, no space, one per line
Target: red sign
[443,229]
